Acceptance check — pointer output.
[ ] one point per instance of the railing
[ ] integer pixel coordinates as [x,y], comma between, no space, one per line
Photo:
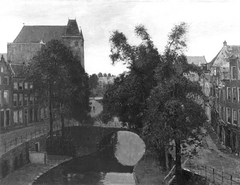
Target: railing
[170,176]
[41,130]
[8,145]
[211,174]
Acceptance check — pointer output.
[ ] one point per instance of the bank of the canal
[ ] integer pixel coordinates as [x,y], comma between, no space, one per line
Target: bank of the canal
[30,172]
[147,171]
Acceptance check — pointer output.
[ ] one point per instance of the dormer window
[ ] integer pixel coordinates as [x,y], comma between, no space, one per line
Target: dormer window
[76,43]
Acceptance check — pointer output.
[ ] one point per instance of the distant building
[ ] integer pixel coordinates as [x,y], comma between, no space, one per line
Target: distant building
[32,38]
[198,61]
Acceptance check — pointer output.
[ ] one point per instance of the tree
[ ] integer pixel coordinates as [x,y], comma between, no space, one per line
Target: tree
[93,82]
[105,74]
[174,111]
[59,79]
[100,74]
[109,75]
[155,98]
[126,98]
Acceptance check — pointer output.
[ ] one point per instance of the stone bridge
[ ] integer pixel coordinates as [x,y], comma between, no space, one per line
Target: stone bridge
[84,138]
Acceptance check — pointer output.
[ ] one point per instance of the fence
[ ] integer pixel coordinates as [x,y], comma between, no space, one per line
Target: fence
[211,174]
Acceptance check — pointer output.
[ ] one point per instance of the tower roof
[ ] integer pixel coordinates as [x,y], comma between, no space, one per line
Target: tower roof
[72,28]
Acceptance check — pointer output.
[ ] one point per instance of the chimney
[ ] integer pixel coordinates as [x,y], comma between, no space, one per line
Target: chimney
[224,43]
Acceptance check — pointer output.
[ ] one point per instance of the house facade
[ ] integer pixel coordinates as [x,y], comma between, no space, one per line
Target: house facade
[226,93]
[5,95]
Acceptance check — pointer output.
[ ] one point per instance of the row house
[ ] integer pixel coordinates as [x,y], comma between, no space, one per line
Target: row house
[5,98]
[203,79]
[226,94]
[19,106]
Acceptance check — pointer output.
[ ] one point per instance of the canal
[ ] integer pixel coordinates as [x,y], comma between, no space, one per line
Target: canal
[93,169]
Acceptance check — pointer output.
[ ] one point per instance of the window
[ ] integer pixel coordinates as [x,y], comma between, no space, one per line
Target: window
[15,116]
[35,114]
[234,117]
[25,85]
[36,99]
[6,96]
[1,69]
[42,114]
[234,91]
[31,100]
[234,73]
[15,99]
[25,100]
[223,113]
[0,97]
[238,116]
[228,115]
[20,116]
[20,102]
[76,43]
[2,118]
[31,85]
[228,93]
[20,86]
[7,117]
[239,94]
[6,80]
[15,85]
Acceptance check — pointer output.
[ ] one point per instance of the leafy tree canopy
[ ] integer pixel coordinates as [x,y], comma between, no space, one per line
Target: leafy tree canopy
[55,72]
[155,97]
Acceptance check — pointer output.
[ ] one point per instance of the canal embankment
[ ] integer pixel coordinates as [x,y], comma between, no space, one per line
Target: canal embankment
[30,172]
[148,171]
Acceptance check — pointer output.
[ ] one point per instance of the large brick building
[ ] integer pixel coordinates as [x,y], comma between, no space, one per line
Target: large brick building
[31,38]
[19,105]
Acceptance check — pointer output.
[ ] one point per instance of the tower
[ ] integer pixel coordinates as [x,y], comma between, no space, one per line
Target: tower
[73,38]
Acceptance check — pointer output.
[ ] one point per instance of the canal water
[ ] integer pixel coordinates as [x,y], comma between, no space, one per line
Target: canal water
[94,169]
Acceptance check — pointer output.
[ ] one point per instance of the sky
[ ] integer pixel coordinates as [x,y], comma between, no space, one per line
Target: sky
[210,23]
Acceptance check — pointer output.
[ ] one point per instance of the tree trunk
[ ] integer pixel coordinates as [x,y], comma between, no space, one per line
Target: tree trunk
[62,120]
[178,171]
[50,116]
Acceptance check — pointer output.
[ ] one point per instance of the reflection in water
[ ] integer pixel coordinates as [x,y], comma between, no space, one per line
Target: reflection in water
[87,170]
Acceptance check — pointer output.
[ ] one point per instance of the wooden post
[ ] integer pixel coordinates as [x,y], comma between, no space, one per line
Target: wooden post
[222,177]
[213,176]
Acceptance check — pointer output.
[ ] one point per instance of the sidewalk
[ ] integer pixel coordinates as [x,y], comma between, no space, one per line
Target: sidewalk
[30,172]
[210,155]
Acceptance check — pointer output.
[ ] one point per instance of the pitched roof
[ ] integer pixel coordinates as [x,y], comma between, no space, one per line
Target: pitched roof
[197,60]
[36,34]
[227,52]
[72,28]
